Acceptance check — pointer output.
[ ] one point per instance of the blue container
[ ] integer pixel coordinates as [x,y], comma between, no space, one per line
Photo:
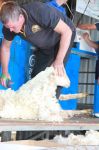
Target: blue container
[18,57]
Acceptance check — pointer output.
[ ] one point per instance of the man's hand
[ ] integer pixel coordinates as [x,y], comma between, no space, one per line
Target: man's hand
[59,68]
[5,57]
[85,36]
[4,80]
[89,41]
[61,76]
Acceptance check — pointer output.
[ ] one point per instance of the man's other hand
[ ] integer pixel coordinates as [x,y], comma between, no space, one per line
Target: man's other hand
[4,79]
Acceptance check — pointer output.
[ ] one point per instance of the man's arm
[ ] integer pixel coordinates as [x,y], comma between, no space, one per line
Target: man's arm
[66,33]
[87,26]
[5,56]
[89,41]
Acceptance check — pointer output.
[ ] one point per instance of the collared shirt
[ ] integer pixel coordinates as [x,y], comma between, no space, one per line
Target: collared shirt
[39,27]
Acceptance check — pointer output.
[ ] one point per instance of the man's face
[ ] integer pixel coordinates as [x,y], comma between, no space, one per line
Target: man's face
[14,26]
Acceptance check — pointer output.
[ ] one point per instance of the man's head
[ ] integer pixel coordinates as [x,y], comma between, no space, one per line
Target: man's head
[12,16]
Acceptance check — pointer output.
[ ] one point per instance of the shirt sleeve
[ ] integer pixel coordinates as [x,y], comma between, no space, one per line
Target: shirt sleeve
[8,35]
[97,25]
[45,15]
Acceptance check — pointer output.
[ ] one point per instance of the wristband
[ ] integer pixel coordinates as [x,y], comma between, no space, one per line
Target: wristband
[8,81]
[4,76]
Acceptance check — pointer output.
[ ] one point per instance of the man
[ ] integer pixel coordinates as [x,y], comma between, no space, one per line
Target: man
[96,98]
[41,25]
[90,42]
[96,47]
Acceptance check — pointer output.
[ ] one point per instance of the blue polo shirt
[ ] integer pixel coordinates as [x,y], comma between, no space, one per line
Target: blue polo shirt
[54,4]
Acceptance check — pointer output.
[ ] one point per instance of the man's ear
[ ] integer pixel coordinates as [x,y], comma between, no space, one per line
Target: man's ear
[20,17]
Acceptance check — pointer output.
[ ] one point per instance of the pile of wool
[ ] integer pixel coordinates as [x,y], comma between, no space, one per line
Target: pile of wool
[90,138]
[34,100]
